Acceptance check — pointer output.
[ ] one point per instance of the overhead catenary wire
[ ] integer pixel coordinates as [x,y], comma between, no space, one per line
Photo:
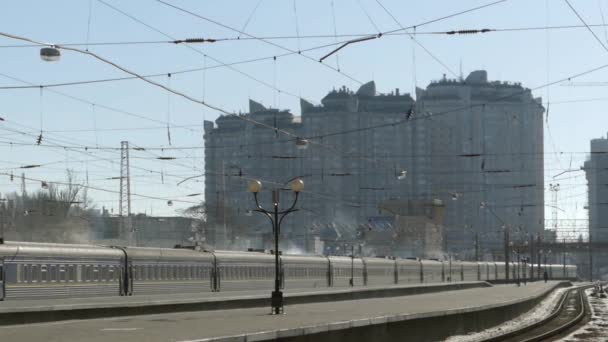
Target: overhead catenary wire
[587,26]
[168,89]
[105,190]
[181,9]
[221,64]
[312,59]
[231,67]
[322,36]
[89,102]
[335,27]
[250,16]
[154,83]
[432,55]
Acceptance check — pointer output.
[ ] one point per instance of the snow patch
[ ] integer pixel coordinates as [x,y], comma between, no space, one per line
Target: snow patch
[536,314]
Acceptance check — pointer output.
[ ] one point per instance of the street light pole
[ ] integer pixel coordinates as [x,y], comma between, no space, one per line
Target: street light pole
[518,266]
[477,246]
[352,265]
[590,257]
[507,253]
[255,187]
[564,258]
[538,256]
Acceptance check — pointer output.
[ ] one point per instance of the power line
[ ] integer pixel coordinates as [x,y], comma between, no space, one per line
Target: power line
[97,105]
[252,36]
[196,50]
[320,36]
[586,25]
[104,190]
[416,40]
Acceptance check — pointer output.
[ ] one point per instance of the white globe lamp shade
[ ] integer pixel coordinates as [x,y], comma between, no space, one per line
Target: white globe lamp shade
[297,185]
[255,186]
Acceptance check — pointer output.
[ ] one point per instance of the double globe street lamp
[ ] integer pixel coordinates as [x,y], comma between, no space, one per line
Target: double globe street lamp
[276,216]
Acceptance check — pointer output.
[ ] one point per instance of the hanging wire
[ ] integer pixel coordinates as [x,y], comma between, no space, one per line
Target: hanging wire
[249,18]
[204,109]
[548,89]
[414,80]
[599,2]
[215,22]
[204,78]
[295,12]
[94,115]
[169,109]
[547,59]
[89,24]
[41,104]
[424,48]
[333,15]
[274,81]
[369,17]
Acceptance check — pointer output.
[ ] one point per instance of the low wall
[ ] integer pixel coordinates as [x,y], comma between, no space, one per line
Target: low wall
[427,327]
[128,306]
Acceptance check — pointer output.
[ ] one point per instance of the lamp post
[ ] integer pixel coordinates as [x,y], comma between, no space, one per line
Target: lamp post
[547,254]
[276,216]
[517,251]
[508,258]
[352,265]
[525,263]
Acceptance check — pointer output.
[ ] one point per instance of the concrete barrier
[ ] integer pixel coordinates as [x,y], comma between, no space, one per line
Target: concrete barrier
[423,327]
[129,306]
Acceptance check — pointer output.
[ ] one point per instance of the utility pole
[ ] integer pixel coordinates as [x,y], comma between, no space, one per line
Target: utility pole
[2,221]
[352,265]
[532,256]
[539,257]
[224,202]
[507,254]
[124,208]
[23,191]
[554,188]
[476,246]
[518,266]
[564,257]
[590,257]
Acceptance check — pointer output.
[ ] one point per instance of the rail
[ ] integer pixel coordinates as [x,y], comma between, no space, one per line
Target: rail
[537,331]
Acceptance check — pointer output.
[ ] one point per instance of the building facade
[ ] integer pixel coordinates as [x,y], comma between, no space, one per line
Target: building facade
[347,172]
[361,144]
[484,159]
[596,172]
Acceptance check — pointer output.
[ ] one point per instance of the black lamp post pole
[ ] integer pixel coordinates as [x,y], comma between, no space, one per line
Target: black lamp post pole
[352,265]
[518,267]
[277,295]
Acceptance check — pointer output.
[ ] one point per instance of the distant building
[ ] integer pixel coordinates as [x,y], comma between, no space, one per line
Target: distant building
[596,171]
[484,158]
[452,146]
[150,231]
[345,174]
[415,229]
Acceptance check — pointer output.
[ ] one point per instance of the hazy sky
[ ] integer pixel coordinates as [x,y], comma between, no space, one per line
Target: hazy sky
[531,57]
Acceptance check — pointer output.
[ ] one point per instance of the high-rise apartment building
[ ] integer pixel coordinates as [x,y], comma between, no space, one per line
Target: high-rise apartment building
[484,151]
[347,171]
[476,145]
[596,171]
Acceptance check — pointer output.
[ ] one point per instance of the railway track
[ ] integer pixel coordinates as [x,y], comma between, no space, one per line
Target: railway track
[569,313]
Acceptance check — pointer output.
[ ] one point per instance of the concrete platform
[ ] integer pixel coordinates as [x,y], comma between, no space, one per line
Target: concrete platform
[40,310]
[422,317]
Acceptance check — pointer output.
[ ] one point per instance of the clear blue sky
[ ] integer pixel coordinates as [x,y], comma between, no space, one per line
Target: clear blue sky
[530,57]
